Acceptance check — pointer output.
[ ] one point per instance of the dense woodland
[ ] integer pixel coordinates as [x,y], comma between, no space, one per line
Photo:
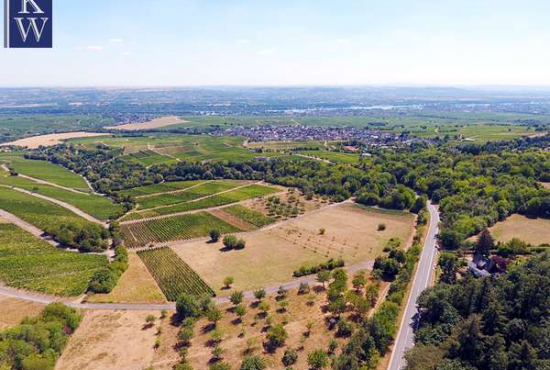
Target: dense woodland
[475,185]
[496,323]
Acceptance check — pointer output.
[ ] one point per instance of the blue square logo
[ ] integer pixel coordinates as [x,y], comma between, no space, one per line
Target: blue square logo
[28,24]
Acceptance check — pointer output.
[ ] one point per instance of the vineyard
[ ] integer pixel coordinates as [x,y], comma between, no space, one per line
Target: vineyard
[160,188]
[29,263]
[182,227]
[252,217]
[36,211]
[251,191]
[200,191]
[95,205]
[173,275]
[48,172]
[148,158]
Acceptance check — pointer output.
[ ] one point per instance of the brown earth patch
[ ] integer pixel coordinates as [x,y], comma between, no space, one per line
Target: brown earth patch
[155,123]
[232,220]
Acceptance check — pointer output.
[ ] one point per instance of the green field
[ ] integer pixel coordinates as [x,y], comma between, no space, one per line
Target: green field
[48,172]
[38,212]
[16,126]
[249,192]
[181,227]
[173,275]
[192,148]
[197,192]
[94,205]
[27,262]
[250,216]
[148,158]
[160,188]
[334,157]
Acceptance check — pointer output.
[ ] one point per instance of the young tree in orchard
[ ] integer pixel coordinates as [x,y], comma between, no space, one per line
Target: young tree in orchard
[485,243]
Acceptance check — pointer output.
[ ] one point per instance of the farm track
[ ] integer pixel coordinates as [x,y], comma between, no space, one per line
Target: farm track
[270,290]
[67,206]
[195,210]
[26,226]
[44,182]
[194,200]
[172,192]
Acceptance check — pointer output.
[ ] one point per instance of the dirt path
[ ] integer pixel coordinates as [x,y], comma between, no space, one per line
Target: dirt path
[26,226]
[60,203]
[43,182]
[172,192]
[193,211]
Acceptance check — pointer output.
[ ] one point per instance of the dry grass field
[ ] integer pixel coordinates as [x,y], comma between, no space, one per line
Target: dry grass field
[136,285]
[51,139]
[532,231]
[12,311]
[156,123]
[274,253]
[546,185]
[110,340]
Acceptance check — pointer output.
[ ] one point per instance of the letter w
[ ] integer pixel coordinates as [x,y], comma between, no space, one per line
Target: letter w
[32,25]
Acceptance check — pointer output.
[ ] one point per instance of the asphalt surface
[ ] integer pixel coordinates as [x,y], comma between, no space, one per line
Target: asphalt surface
[422,280]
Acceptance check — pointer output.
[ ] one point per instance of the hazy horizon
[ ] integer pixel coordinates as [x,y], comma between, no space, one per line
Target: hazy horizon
[190,43]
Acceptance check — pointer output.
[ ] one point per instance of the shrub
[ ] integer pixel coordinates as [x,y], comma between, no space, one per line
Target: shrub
[228,281]
[215,235]
[259,294]
[290,357]
[253,363]
[317,359]
[103,281]
[276,336]
[236,297]
[381,227]
[330,265]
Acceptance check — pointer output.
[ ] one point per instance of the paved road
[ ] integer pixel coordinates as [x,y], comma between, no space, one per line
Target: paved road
[422,279]
[270,290]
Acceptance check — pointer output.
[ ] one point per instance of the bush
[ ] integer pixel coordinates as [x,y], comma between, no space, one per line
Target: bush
[330,265]
[381,227]
[290,357]
[276,336]
[253,363]
[103,281]
[215,235]
[317,359]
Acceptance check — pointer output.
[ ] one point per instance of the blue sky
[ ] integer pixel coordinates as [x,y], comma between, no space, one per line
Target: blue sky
[289,42]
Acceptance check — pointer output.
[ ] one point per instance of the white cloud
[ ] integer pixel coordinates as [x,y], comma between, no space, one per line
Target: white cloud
[243,41]
[343,41]
[126,54]
[118,41]
[269,51]
[95,48]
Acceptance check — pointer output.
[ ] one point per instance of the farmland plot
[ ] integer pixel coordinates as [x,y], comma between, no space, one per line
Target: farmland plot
[173,275]
[160,188]
[27,262]
[252,217]
[182,227]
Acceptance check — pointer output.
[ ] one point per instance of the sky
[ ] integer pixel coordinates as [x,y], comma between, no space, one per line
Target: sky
[289,42]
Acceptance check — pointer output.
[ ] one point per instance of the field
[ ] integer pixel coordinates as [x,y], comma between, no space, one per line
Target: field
[233,196]
[191,148]
[334,157]
[15,126]
[51,139]
[36,211]
[136,285]
[273,254]
[95,205]
[532,231]
[30,263]
[173,275]
[160,188]
[182,227]
[203,190]
[12,311]
[153,124]
[148,158]
[48,172]
[252,217]
[110,340]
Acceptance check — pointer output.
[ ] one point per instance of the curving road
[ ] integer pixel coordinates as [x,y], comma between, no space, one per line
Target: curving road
[422,280]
